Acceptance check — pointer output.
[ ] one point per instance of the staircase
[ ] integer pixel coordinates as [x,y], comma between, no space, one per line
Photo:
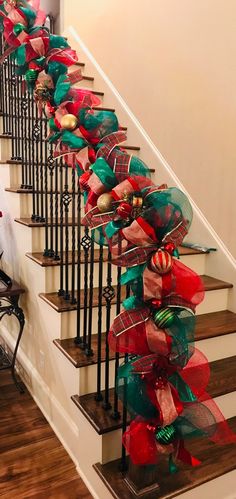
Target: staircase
[64,358]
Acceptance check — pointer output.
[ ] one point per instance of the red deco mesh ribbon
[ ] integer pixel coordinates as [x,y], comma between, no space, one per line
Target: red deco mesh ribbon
[134,332]
[180,285]
[144,449]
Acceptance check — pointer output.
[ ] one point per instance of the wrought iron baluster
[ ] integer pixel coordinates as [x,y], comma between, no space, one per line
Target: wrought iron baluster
[56,251]
[86,245]
[98,396]
[19,118]
[62,260]
[45,156]
[33,163]
[78,339]
[51,169]
[89,351]
[116,413]
[124,465]
[73,236]
[35,146]
[66,199]
[13,111]
[23,142]
[42,193]
[109,294]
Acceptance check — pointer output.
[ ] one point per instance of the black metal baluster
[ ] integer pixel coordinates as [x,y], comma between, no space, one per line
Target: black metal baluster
[78,339]
[116,413]
[45,157]
[51,169]
[73,236]
[56,251]
[33,164]
[89,351]
[66,199]
[19,118]
[86,245]
[108,294]
[42,192]
[98,396]
[123,465]
[13,111]
[23,141]
[62,260]
[35,146]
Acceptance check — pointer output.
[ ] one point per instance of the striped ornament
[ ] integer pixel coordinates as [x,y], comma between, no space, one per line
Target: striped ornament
[164,317]
[166,435]
[161,262]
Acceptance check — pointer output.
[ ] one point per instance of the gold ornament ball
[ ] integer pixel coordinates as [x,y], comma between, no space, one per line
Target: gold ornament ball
[104,202]
[69,122]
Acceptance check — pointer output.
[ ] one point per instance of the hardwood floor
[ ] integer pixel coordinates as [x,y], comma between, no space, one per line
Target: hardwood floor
[33,463]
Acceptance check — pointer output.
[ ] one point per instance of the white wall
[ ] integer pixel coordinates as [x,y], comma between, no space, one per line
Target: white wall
[174,62]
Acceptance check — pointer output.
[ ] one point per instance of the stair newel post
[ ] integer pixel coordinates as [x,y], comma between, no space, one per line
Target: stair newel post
[109,294]
[86,245]
[73,236]
[116,413]
[78,338]
[66,199]
[45,155]
[89,351]
[98,396]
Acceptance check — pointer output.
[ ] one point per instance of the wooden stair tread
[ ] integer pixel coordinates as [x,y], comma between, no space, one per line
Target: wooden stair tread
[101,108]
[28,222]
[207,326]
[60,305]
[40,259]
[216,461]
[222,381]
[77,356]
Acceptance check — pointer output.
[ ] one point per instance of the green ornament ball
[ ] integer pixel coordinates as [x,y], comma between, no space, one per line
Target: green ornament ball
[31,76]
[164,317]
[18,28]
[166,435]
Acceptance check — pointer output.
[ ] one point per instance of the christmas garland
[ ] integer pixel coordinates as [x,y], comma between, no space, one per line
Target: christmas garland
[164,381]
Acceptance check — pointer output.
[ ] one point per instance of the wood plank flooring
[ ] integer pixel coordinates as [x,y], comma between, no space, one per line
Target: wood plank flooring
[33,463]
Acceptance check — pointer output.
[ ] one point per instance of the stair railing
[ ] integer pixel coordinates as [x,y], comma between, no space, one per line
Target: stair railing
[57,207]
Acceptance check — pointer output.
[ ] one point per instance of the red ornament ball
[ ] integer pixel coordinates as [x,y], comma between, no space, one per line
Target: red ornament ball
[124,210]
[161,262]
[83,181]
[170,247]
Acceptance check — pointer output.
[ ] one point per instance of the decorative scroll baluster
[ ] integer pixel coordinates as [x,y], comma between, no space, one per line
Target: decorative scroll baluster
[109,294]
[78,340]
[66,199]
[86,245]
[56,252]
[51,169]
[35,146]
[45,156]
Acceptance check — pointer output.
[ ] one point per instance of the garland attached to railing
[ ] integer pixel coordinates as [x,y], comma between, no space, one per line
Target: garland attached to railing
[164,381]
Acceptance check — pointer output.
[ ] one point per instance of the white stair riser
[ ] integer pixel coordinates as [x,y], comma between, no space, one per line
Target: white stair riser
[5,149]
[52,274]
